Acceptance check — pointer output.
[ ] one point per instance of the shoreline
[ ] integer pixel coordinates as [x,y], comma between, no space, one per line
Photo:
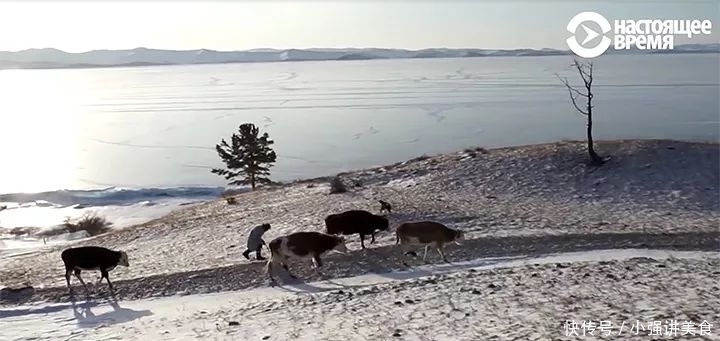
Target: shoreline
[328,176]
[650,189]
[182,201]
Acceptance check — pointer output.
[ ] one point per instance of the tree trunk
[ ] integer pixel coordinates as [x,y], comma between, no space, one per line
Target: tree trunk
[595,159]
[252,181]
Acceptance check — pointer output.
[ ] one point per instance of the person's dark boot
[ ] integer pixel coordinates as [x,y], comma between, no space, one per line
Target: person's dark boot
[247,254]
[258,256]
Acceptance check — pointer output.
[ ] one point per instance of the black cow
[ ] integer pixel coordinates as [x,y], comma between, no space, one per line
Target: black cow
[356,221]
[92,258]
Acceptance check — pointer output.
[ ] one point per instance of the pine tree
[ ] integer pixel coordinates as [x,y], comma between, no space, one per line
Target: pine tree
[248,158]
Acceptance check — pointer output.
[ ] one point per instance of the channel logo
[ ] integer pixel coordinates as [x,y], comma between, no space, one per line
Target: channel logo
[589,48]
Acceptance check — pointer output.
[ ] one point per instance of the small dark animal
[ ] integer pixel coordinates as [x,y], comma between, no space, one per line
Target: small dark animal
[385,206]
[92,258]
[3,207]
[302,245]
[356,221]
[427,233]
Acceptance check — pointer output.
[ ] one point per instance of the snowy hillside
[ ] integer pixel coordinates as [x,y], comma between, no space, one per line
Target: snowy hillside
[549,242]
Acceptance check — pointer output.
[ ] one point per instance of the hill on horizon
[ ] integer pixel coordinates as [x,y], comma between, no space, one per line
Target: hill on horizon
[48,58]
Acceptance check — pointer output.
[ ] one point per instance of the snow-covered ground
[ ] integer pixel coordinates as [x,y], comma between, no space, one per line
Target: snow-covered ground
[461,301]
[124,215]
[187,278]
[15,246]
[122,206]
[36,213]
[498,197]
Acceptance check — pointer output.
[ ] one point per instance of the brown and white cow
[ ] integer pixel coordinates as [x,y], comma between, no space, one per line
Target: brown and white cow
[302,245]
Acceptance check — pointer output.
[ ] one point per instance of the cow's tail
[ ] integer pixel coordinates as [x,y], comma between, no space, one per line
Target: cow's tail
[398,231]
[268,267]
[274,255]
[273,246]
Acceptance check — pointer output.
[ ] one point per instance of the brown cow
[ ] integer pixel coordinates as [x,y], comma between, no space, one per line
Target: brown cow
[427,233]
[302,245]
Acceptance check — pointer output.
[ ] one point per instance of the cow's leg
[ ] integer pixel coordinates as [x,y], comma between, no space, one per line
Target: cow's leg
[106,275]
[268,270]
[77,274]
[440,251]
[372,235]
[405,252]
[362,240]
[425,254]
[288,271]
[67,278]
[408,249]
[317,261]
[284,265]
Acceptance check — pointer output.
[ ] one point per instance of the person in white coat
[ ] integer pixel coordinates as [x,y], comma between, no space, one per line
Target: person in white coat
[255,241]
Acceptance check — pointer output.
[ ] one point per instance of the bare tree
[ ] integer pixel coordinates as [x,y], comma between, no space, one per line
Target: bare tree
[586,73]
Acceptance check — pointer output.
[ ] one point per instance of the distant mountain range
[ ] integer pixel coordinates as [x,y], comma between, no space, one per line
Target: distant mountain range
[53,58]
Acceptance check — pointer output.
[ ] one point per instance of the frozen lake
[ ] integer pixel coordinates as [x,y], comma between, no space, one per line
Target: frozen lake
[157,126]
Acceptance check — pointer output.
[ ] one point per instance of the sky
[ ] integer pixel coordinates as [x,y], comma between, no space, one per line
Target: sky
[238,25]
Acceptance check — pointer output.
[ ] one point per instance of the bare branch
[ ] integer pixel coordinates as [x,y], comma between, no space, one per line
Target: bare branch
[574,102]
[581,70]
[578,92]
[588,73]
[574,93]
[570,87]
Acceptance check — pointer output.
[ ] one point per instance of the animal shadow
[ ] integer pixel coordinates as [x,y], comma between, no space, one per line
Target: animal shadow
[86,318]
[298,286]
[292,284]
